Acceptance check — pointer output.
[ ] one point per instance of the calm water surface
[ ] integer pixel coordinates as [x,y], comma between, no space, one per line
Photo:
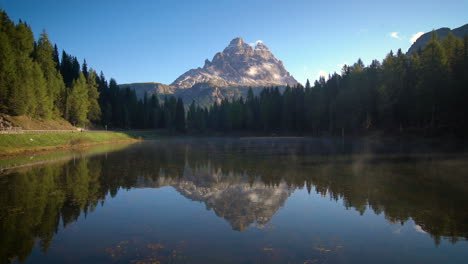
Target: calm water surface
[240,201]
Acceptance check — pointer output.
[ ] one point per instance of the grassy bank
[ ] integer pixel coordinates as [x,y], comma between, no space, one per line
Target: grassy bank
[29,123]
[13,144]
[21,161]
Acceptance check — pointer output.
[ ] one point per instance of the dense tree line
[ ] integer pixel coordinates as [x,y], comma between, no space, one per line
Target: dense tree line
[427,89]
[34,82]
[122,109]
[37,82]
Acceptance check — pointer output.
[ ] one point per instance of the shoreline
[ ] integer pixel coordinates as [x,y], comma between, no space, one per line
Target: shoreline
[21,145]
[58,155]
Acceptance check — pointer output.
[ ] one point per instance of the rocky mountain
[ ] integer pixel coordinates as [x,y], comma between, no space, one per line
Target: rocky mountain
[150,88]
[228,75]
[239,65]
[206,94]
[441,33]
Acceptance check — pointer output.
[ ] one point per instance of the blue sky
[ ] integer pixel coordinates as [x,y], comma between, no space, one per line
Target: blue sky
[157,40]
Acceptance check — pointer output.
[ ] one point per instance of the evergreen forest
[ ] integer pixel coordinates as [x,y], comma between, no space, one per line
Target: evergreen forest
[426,90]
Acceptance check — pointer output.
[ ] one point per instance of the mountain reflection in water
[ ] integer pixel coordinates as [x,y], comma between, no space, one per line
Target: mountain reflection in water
[244,182]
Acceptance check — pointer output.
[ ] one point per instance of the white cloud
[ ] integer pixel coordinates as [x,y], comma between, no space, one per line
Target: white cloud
[395,35]
[415,37]
[255,43]
[322,73]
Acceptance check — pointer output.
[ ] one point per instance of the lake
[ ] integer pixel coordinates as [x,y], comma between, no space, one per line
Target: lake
[268,200]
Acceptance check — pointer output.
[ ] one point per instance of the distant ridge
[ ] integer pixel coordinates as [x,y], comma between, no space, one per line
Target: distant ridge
[149,87]
[441,33]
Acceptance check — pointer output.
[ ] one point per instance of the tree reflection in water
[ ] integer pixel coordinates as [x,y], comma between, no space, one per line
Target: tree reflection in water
[242,181]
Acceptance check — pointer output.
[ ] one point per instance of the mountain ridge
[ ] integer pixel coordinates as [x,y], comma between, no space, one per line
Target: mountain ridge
[149,87]
[441,33]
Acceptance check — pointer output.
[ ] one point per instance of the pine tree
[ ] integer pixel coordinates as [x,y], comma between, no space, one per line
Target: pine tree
[170,106]
[21,92]
[75,68]
[434,73]
[54,81]
[66,69]
[7,61]
[84,69]
[191,117]
[113,97]
[94,111]
[56,58]
[251,110]
[453,49]
[40,106]
[155,112]
[180,116]
[288,110]
[78,101]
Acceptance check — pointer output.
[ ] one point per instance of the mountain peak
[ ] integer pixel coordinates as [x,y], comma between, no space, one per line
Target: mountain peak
[239,65]
[237,42]
[260,45]
[237,46]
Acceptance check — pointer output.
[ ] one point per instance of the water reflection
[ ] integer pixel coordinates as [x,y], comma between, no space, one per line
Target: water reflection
[244,182]
[232,196]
